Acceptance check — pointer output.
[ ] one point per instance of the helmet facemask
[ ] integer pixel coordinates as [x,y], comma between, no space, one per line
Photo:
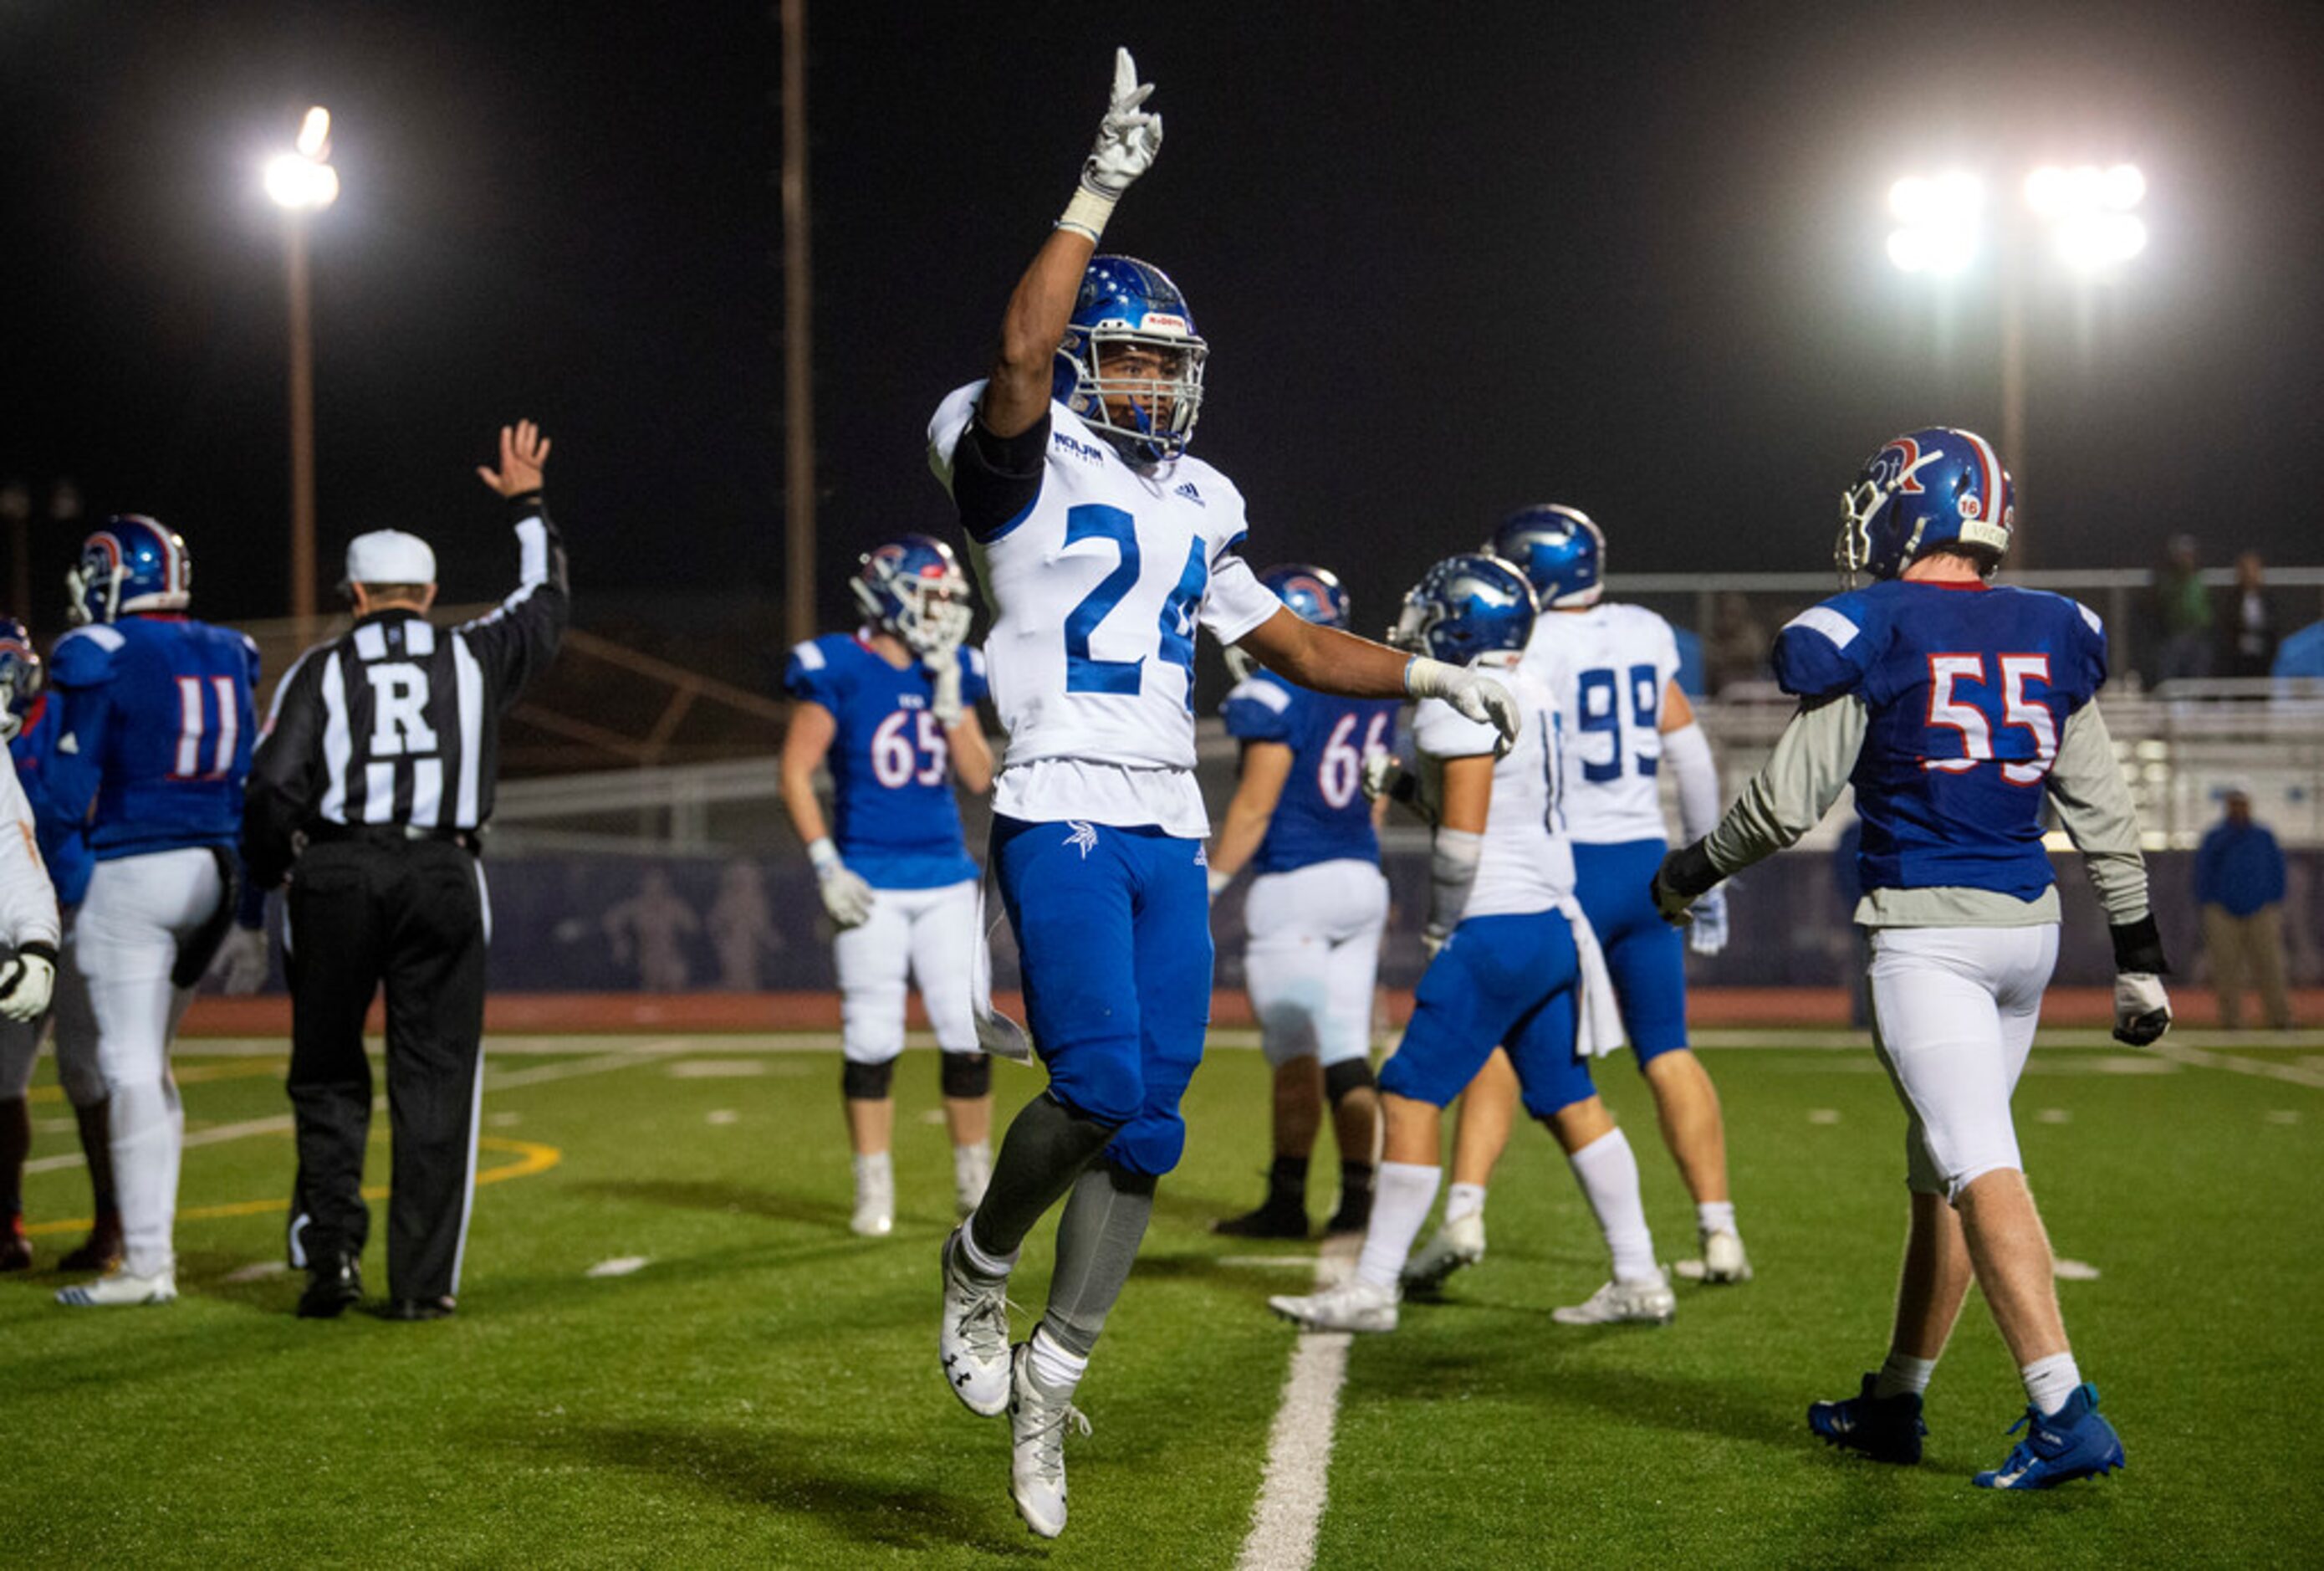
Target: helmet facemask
[930,615]
[1150,416]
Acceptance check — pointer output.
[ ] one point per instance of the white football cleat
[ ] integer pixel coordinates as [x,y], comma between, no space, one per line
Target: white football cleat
[1723,1261]
[1038,1417]
[1352,1305]
[974,1340]
[875,1203]
[1456,1243]
[117,1290]
[1650,1303]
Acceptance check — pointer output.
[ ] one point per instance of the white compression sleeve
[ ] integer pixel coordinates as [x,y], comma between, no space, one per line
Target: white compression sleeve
[1689,752]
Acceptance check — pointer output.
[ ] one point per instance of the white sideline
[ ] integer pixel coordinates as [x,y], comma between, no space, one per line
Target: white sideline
[1293,1491]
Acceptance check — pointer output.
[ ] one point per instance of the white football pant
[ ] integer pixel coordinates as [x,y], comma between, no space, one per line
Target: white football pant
[113,992]
[1955,1010]
[927,934]
[1311,958]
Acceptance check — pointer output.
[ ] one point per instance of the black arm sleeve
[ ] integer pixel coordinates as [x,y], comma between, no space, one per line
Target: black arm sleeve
[517,639]
[280,797]
[994,479]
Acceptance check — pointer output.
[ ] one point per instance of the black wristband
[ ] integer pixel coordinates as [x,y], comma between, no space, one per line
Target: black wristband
[1688,870]
[525,504]
[41,947]
[2138,947]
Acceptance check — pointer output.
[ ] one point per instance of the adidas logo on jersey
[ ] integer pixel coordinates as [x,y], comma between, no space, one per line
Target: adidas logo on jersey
[1191,495]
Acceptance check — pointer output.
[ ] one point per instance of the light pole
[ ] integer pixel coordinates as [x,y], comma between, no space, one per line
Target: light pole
[302,182]
[2087,213]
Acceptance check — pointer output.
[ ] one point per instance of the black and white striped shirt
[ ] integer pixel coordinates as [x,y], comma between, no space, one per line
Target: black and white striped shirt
[397,723]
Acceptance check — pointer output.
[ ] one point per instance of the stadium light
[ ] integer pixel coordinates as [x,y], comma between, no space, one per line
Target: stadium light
[2085,212]
[1940,219]
[302,182]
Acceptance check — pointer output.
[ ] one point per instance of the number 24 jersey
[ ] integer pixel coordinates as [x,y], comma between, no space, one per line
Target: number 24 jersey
[1096,574]
[896,822]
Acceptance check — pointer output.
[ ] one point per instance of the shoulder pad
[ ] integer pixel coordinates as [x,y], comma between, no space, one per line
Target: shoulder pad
[945,426]
[1825,650]
[83,658]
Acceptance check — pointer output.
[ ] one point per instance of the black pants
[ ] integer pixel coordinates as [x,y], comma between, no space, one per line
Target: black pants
[410,914]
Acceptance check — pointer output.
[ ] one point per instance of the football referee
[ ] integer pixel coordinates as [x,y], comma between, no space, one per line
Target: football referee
[368,792]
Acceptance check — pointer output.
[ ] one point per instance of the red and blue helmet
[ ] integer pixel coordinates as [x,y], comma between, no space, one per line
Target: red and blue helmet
[1314,594]
[912,586]
[20,676]
[1926,490]
[1559,549]
[1125,302]
[132,564]
[1464,606]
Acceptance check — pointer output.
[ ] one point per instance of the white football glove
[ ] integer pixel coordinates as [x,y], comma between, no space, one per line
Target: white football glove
[1472,693]
[240,965]
[1431,941]
[2142,1010]
[1707,934]
[1128,138]
[943,666]
[27,980]
[846,896]
[1217,881]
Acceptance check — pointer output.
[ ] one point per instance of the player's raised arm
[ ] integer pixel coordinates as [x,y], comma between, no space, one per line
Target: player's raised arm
[1128,138]
[1332,661]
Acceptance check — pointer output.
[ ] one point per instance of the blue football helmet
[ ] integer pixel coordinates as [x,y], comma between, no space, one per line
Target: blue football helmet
[1128,303]
[913,588]
[1464,606]
[20,676]
[1929,488]
[132,564]
[1561,553]
[1313,594]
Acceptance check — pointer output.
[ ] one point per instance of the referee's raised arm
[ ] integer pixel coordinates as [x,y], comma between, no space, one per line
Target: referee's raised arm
[518,636]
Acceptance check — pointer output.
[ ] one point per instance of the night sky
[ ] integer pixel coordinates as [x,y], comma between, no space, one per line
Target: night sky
[1450,259]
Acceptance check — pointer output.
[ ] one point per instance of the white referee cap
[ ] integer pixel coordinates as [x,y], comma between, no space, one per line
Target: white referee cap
[390,556]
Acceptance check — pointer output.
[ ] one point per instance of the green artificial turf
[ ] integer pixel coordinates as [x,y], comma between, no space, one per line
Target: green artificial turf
[763,1390]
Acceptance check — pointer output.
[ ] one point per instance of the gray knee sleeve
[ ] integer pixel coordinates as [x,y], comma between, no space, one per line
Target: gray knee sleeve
[1046,1149]
[1097,1243]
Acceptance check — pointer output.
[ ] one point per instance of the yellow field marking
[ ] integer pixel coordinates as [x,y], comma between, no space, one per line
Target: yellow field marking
[185,1075]
[531,1157]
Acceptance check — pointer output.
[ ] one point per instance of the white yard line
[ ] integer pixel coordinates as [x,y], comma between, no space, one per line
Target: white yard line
[2289,1074]
[279,1124]
[1292,1493]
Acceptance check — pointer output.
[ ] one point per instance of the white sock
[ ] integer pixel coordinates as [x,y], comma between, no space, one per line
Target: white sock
[972,1158]
[979,1263]
[1059,1367]
[2049,1381]
[1402,1194]
[1716,1216]
[1464,1200]
[1902,1373]
[879,1167]
[1608,1174]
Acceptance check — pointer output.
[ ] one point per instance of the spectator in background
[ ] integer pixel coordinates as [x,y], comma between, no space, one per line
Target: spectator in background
[2239,884]
[2182,612]
[2249,637]
[1737,648]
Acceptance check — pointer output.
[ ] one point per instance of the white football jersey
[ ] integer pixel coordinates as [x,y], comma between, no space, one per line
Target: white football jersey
[1609,667]
[1094,592]
[28,902]
[1525,864]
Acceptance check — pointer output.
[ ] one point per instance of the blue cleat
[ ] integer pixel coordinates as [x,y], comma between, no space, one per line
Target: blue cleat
[2072,1443]
[1885,1428]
